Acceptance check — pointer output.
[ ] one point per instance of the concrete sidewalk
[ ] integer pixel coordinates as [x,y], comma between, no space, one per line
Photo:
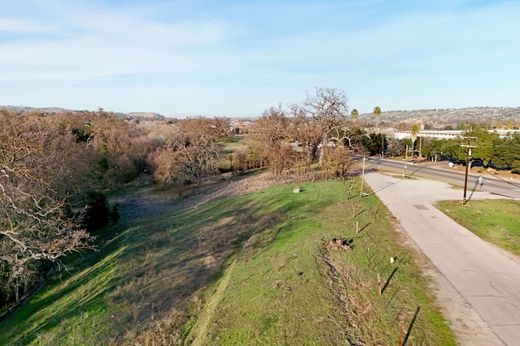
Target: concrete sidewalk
[487,277]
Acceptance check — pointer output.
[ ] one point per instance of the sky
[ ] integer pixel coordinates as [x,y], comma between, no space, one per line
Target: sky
[240,57]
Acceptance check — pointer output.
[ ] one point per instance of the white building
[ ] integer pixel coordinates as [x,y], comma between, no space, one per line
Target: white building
[447,134]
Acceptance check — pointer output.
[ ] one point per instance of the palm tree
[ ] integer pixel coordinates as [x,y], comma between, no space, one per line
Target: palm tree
[354,114]
[377,114]
[414,131]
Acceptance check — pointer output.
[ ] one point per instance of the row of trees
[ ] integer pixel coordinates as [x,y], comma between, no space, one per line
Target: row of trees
[56,169]
[490,149]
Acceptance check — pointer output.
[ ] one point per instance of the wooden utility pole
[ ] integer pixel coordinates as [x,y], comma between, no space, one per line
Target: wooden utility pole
[420,148]
[362,177]
[468,159]
[382,145]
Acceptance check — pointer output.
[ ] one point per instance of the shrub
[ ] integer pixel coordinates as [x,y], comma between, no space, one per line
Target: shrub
[516,167]
[96,211]
[337,161]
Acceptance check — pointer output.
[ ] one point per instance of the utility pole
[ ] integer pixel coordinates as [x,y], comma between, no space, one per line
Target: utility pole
[382,145]
[468,159]
[362,177]
[420,148]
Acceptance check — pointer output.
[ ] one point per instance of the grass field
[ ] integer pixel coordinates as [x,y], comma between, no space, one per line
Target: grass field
[253,269]
[494,220]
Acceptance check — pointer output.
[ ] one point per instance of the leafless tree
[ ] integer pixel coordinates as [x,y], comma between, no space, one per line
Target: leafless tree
[192,153]
[34,227]
[328,107]
[337,161]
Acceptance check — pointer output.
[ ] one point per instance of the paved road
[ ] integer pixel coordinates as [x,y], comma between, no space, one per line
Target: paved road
[487,277]
[494,185]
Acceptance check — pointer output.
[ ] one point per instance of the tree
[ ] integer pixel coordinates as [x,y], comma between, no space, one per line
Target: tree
[355,115]
[272,127]
[328,107]
[186,160]
[396,147]
[433,148]
[377,114]
[414,131]
[304,130]
[271,132]
[35,225]
[487,143]
[373,142]
[337,161]
[346,137]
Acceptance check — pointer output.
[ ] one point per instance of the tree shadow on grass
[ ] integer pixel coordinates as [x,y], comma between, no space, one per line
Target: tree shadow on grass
[68,294]
[146,267]
[193,253]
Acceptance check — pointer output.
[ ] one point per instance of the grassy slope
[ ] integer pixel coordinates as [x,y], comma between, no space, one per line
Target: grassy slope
[293,290]
[251,268]
[497,221]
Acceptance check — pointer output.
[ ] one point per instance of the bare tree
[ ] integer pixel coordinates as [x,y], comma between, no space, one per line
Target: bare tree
[337,161]
[34,227]
[328,107]
[272,127]
[189,156]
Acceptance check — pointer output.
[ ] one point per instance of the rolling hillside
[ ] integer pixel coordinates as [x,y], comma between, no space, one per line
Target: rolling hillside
[256,268]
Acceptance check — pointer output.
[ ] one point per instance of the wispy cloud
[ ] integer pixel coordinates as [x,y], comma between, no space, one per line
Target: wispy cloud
[241,57]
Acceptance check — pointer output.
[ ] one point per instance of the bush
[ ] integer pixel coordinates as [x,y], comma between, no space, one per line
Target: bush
[96,211]
[516,167]
[337,161]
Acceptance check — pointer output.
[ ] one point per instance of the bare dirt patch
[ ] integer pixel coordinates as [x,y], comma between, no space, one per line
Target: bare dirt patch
[154,201]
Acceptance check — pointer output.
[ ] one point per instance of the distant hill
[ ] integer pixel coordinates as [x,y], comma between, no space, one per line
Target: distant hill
[23,109]
[452,116]
[58,110]
[145,115]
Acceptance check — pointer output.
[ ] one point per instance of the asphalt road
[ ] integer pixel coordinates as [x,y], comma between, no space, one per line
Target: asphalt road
[491,184]
[487,277]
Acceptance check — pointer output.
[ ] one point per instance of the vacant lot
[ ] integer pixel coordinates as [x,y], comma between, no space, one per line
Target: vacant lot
[254,269]
[497,221]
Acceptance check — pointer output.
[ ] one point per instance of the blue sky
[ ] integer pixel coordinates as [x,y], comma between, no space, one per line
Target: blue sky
[240,57]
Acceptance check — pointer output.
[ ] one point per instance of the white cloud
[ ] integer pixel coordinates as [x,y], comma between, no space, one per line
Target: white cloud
[20,26]
[404,59]
[89,41]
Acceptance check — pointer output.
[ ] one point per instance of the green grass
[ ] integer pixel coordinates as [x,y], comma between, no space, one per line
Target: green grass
[286,293]
[252,269]
[494,220]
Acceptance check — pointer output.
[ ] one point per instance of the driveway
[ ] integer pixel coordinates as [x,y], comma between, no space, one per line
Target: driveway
[485,276]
